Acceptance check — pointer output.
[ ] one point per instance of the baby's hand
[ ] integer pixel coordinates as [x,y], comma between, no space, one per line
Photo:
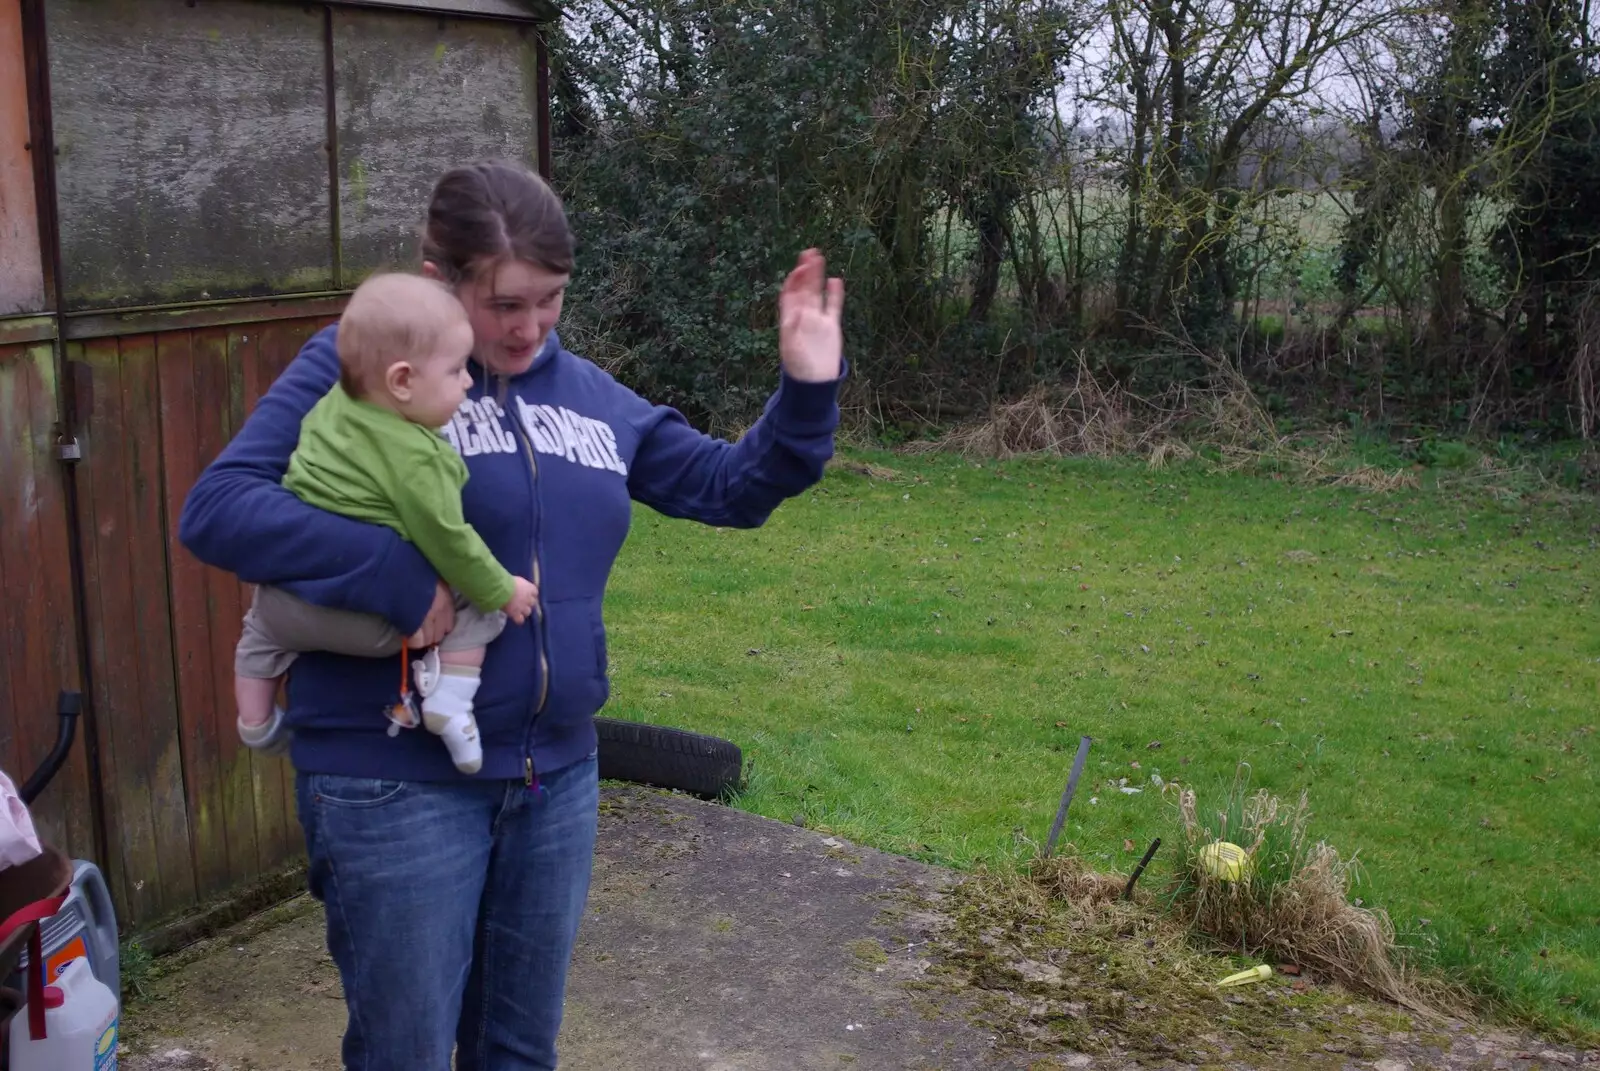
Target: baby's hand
[522,600]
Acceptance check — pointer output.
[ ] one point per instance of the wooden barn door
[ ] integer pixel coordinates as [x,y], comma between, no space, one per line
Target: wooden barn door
[192,814]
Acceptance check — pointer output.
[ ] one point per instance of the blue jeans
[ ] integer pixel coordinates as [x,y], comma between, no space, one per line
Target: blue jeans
[452,911]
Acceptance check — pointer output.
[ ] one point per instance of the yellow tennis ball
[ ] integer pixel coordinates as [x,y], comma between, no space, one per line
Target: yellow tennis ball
[1223,860]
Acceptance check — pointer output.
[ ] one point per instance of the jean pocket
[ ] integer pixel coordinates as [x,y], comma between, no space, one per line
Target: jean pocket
[340,791]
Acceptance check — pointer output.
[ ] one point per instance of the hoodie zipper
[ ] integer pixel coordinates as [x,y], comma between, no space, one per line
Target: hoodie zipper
[530,776]
[538,602]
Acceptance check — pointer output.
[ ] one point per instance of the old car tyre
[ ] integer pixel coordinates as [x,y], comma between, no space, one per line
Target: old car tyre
[701,765]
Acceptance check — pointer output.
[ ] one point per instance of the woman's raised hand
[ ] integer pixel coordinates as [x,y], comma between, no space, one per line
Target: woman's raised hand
[810,339]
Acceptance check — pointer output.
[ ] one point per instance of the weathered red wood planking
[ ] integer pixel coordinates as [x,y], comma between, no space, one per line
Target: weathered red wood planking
[38,650]
[187,416]
[151,598]
[242,805]
[279,342]
[17,445]
[131,841]
[227,352]
[50,619]
[278,838]
[189,812]
[274,806]
[16,485]
[130,629]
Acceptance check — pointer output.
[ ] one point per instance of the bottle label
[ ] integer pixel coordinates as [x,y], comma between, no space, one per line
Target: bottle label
[105,1050]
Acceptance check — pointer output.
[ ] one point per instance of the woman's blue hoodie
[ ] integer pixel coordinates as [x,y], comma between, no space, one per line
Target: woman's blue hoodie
[555,455]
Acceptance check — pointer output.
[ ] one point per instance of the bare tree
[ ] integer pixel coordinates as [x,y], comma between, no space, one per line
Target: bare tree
[1196,82]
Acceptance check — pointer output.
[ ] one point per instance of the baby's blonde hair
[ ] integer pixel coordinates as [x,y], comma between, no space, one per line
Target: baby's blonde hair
[391,317]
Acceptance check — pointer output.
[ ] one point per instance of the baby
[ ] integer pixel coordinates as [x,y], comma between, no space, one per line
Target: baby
[370,450]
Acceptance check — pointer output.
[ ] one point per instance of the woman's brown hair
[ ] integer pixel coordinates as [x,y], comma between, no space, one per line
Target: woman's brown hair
[491,212]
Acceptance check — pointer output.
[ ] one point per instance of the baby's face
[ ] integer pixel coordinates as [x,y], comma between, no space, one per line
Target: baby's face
[440,382]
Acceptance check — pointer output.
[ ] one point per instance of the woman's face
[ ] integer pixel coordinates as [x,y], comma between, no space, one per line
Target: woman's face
[512,307]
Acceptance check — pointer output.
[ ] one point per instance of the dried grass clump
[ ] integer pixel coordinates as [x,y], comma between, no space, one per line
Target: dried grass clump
[1166,453]
[1372,478]
[1066,878]
[1080,418]
[1088,416]
[1295,900]
[1226,411]
[1083,417]
[1091,417]
[1092,903]
[871,470]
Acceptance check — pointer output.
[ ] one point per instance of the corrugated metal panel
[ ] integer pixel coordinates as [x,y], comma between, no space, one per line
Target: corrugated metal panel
[21,271]
[192,160]
[416,96]
[536,10]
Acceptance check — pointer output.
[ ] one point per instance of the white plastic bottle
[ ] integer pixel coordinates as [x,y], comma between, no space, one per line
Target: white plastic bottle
[80,1026]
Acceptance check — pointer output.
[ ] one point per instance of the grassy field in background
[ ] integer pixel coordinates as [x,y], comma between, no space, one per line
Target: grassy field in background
[1293,240]
[909,661]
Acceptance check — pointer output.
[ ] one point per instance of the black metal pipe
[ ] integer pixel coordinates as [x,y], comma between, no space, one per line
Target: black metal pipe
[1127,893]
[1066,795]
[68,707]
[80,611]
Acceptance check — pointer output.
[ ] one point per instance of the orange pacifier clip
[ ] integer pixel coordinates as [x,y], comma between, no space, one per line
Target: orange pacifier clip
[403,715]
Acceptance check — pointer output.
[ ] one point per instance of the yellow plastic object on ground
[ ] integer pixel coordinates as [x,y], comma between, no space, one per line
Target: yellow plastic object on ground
[1254,974]
[1223,860]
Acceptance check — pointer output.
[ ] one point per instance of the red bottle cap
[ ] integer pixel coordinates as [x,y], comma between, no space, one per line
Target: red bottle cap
[54,997]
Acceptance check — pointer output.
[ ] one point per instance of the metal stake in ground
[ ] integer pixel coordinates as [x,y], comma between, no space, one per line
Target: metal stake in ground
[1066,796]
[1127,893]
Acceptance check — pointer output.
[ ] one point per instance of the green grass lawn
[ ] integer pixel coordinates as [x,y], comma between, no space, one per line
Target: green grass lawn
[909,662]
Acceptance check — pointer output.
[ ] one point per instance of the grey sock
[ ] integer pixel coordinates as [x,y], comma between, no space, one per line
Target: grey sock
[270,737]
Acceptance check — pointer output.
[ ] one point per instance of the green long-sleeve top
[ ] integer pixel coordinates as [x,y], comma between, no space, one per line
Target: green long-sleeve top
[371,464]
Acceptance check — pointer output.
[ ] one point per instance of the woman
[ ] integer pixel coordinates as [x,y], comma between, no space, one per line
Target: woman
[453,902]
